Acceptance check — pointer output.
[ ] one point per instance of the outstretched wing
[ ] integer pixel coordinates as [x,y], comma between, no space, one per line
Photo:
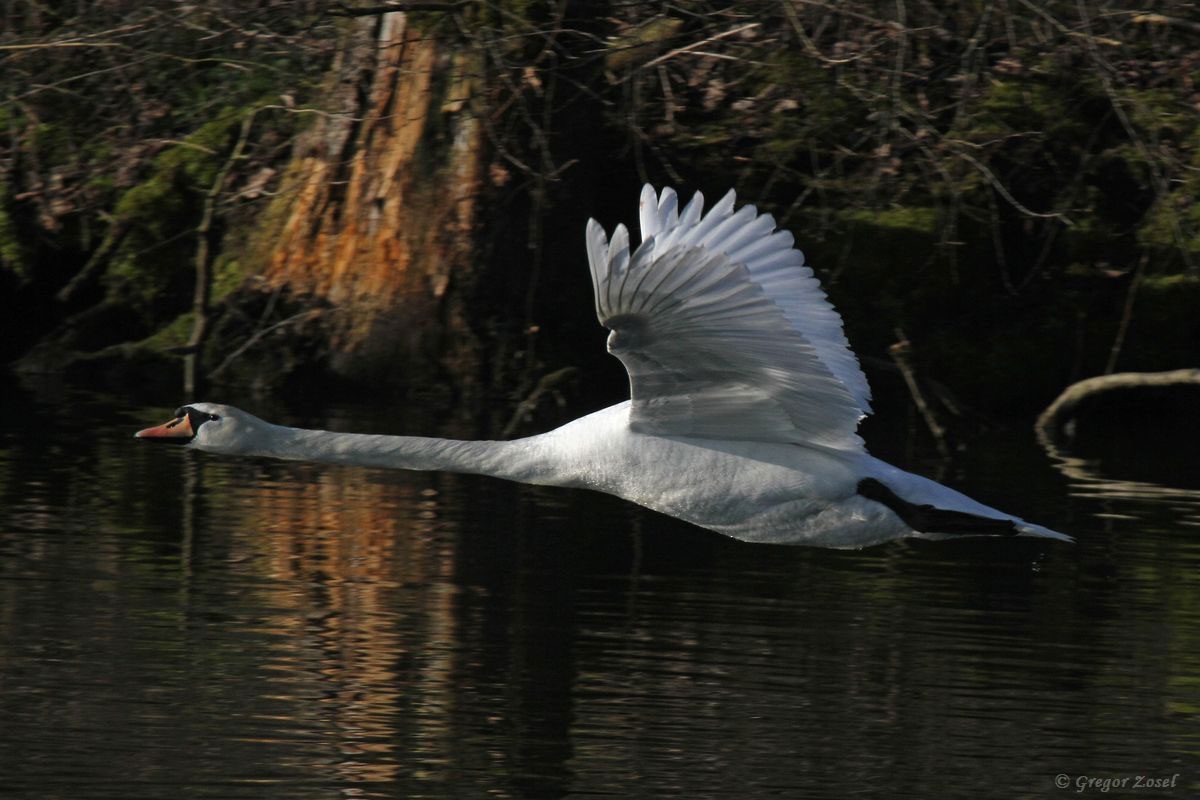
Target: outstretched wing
[724,332]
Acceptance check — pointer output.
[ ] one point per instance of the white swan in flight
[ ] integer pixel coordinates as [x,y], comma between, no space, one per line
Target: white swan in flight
[745,399]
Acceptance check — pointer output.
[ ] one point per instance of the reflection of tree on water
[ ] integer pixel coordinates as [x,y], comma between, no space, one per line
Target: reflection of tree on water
[369,674]
[1097,478]
[382,638]
[338,632]
[1128,437]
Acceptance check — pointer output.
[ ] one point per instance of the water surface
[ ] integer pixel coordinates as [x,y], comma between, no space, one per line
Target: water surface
[175,625]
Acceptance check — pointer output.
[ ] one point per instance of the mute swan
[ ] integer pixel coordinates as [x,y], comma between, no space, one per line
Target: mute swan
[745,400]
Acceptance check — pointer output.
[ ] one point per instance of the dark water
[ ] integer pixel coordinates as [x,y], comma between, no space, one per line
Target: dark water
[177,625]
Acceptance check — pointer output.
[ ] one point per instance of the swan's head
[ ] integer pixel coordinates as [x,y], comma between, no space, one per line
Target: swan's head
[210,426]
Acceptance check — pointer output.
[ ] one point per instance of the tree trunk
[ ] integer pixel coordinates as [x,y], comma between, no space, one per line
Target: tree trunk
[377,212]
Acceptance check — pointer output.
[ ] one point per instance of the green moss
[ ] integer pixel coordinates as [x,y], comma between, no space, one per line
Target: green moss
[1044,112]
[1158,112]
[175,334]
[227,276]
[1172,225]
[12,252]
[1185,289]
[153,267]
[914,219]
[186,168]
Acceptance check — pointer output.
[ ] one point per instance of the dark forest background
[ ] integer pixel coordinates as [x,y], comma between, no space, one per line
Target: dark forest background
[286,196]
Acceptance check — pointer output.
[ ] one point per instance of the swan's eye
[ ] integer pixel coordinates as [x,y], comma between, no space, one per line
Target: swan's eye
[195,416]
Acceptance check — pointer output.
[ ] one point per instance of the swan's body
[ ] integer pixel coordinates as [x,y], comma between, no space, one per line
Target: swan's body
[745,401]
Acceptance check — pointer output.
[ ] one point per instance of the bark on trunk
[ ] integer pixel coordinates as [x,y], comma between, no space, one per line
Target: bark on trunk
[376,215]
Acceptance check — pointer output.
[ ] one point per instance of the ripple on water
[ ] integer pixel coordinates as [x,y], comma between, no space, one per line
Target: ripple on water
[178,625]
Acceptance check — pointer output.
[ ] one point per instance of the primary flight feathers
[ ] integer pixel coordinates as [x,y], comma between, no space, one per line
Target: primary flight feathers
[724,331]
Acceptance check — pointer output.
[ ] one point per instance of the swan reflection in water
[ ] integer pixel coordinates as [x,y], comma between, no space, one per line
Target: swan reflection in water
[745,400]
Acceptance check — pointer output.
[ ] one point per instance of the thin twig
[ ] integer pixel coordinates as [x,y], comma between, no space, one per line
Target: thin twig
[901,353]
[205,253]
[1014,202]
[694,45]
[343,10]
[1126,315]
[303,316]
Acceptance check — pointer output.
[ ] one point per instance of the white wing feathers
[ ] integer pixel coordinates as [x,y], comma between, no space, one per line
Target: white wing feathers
[723,330]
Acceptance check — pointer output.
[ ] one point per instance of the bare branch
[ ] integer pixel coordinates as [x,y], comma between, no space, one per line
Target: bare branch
[696,45]
[1007,195]
[343,10]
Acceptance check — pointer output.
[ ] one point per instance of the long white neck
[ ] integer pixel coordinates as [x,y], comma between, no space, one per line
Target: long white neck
[519,460]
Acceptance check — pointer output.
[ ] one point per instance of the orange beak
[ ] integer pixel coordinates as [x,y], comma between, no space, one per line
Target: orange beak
[177,431]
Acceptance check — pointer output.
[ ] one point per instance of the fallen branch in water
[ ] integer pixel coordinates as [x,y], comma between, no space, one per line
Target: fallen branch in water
[1052,422]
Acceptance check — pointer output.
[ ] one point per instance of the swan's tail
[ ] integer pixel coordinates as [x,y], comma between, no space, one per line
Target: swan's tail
[1029,529]
[1016,527]
[949,513]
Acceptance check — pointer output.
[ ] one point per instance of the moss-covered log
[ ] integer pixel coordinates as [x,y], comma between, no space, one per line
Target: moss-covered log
[1104,396]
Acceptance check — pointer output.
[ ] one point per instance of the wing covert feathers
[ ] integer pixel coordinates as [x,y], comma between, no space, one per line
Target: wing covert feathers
[723,330]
